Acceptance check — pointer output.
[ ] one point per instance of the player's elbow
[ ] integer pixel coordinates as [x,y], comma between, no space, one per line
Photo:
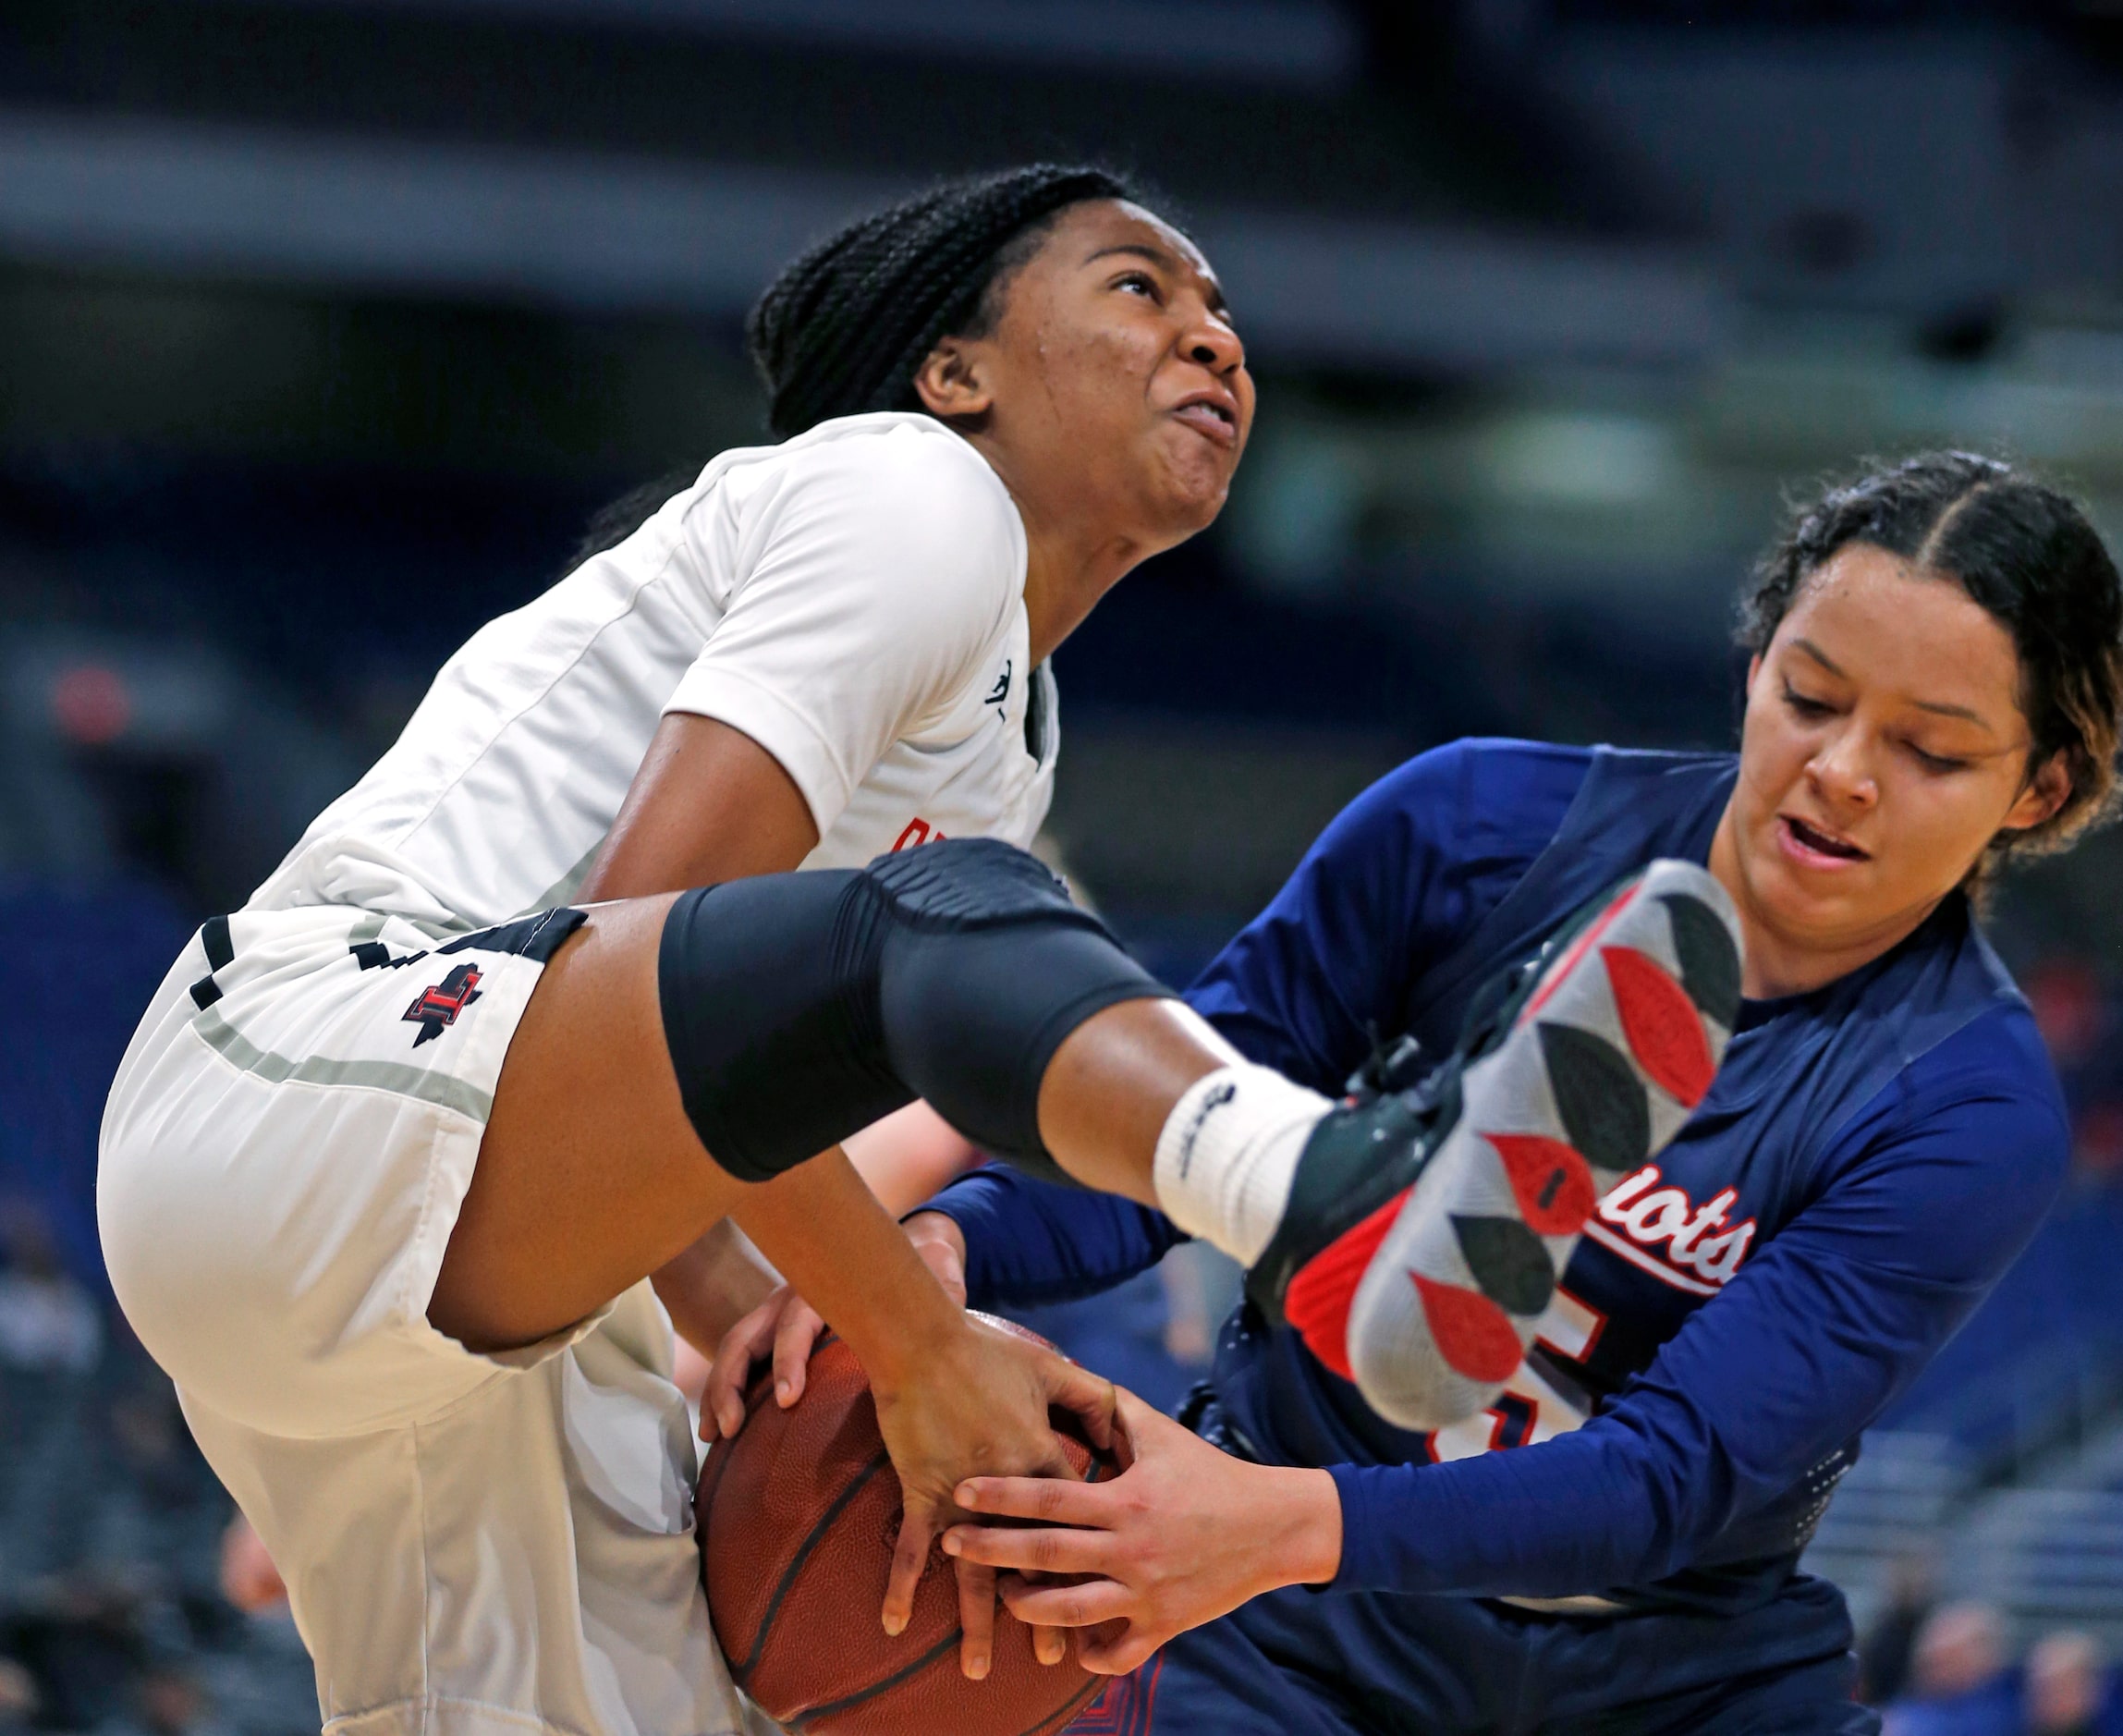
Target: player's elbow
[1686,1489]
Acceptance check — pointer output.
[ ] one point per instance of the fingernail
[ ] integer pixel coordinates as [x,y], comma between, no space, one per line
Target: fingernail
[781,1390]
[951,1545]
[966,1495]
[894,1625]
[976,1668]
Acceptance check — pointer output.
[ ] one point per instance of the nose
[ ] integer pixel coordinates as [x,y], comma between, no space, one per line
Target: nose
[1210,340]
[1842,771]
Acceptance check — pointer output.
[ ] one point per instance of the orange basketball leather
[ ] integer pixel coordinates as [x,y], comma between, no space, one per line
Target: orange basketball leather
[797,1521]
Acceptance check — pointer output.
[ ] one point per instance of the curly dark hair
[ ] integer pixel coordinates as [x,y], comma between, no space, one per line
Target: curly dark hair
[2024,550]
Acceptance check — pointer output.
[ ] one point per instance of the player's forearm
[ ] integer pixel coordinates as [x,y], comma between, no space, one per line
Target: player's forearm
[712,1285]
[1028,1243]
[1579,1515]
[1299,1516]
[827,1232]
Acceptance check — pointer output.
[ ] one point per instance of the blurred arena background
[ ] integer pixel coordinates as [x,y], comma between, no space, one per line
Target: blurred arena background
[325,325]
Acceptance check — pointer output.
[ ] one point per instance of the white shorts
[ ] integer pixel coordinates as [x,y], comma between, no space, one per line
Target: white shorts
[471,1543]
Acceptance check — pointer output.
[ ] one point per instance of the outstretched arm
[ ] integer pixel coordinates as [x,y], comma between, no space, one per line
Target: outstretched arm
[1815,1335]
[1812,1340]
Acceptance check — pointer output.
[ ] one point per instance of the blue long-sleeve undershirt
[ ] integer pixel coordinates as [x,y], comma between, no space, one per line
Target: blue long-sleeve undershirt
[1813,1338]
[1912,1212]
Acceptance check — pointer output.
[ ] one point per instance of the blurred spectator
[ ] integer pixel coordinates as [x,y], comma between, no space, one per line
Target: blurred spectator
[249,1578]
[2097,1141]
[18,1702]
[2077,1013]
[47,1321]
[1889,1643]
[81,1638]
[2066,998]
[2066,1686]
[1958,1681]
[161,1504]
[51,1344]
[169,1700]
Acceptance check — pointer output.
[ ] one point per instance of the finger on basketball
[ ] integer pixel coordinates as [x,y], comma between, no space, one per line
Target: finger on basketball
[909,1555]
[1031,1548]
[1119,1652]
[1082,1604]
[723,1401]
[976,1618]
[1055,1500]
[1093,1401]
[793,1341]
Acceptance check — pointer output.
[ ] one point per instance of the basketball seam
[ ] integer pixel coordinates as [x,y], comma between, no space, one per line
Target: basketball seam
[848,1701]
[803,1549]
[1067,1714]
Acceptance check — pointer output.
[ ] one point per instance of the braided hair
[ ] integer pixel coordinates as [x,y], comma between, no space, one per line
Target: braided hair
[845,329]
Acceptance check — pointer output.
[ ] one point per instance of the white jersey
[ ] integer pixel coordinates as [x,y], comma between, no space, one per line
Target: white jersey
[853,600]
[487,1546]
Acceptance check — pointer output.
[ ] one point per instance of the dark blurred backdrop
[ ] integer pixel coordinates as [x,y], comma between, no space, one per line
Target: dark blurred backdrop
[325,325]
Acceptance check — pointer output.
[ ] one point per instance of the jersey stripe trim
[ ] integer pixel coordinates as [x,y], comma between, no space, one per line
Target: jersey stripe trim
[421,1083]
[1596,1231]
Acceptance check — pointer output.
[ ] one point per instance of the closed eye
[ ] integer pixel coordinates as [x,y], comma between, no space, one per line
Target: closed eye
[1938,763]
[1803,705]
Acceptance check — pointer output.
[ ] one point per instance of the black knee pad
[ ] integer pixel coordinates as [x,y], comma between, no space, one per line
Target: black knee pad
[771,1035]
[987,967]
[800,1008]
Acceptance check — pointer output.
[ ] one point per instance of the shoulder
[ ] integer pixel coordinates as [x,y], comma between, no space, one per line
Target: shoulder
[886,524]
[902,471]
[1997,1057]
[1466,817]
[1949,1170]
[1484,794]
[1972,1133]
[1970,1037]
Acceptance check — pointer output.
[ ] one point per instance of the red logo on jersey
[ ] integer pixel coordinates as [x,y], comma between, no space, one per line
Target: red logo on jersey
[917,832]
[1701,1247]
[440,1004]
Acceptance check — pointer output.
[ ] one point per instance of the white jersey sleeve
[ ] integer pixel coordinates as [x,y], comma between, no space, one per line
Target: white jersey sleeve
[875,580]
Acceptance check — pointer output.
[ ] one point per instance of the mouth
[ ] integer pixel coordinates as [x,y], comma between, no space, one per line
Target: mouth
[1815,846]
[1214,415]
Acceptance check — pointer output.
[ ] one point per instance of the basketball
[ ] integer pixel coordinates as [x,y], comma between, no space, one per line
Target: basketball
[797,1516]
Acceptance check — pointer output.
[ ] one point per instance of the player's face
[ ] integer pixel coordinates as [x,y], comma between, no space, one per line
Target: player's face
[1885,748]
[1119,383]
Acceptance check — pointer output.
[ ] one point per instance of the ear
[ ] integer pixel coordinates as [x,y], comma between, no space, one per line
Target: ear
[2046,791]
[1747,688]
[953,382]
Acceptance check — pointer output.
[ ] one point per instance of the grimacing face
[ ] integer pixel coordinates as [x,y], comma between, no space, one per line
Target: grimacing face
[1883,749]
[1113,384]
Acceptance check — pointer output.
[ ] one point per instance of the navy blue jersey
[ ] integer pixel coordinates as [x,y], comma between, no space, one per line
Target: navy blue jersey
[1871,1158]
